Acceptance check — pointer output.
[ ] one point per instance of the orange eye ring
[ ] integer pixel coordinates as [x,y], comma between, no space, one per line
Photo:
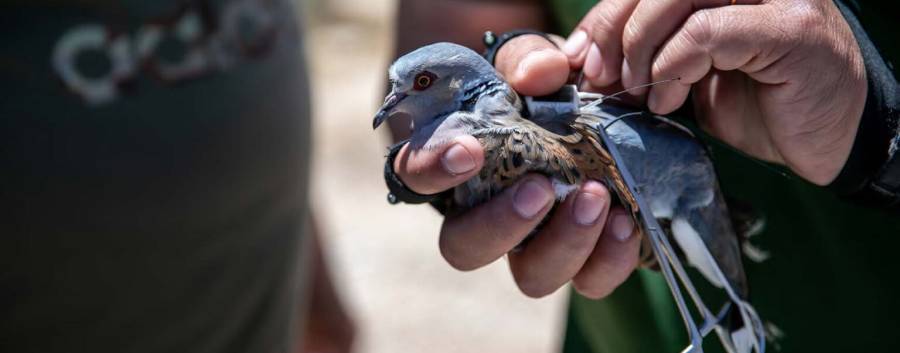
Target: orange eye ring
[423,81]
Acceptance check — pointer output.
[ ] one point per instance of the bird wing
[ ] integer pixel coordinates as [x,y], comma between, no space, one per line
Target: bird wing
[515,146]
[515,149]
[586,126]
[598,163]
[521,146]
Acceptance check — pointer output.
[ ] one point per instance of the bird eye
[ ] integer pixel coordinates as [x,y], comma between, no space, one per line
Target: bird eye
[423,81]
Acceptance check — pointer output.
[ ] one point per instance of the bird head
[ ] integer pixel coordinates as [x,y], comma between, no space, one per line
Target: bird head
[432,81]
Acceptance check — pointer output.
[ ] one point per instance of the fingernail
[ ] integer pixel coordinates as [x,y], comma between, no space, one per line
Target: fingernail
[575,44]
[588,208]
[457,160]
[530,198]
[593,65]
[621,226]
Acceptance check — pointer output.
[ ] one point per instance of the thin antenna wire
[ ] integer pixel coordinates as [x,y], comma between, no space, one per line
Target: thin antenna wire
[599,101]
[710,138]
[642,86]
[620,117]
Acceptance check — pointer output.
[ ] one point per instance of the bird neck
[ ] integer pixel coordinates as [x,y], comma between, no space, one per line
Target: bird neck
[437,131]
[488,87]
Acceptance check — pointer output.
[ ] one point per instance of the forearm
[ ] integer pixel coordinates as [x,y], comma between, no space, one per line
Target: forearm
[459,21]
[328,327]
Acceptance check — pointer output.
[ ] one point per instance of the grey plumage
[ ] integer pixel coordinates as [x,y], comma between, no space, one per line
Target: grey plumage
[449,90]
[459,83]
[677,175]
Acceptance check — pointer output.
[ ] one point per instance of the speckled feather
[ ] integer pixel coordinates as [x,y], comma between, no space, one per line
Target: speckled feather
[470,98]
[515,146]
[671,170]
[524,147]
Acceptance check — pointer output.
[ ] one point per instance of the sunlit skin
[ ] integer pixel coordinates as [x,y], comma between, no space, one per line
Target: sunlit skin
[781,80]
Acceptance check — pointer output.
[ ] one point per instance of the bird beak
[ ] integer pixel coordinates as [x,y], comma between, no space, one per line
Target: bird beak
[387,108]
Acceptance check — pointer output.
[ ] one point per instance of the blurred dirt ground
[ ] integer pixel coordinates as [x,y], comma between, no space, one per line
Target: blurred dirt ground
[404,297]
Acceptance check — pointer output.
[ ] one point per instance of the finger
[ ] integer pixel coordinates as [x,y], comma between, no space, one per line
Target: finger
[727,38]
[532,65]
[604,24]
[647,29]
[486,232]
[431,171]
[576,48]
[726,108]
[614,258]
[562,246]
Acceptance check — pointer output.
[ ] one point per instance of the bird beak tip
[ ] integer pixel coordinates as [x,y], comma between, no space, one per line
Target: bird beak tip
[380,117]
[387,109]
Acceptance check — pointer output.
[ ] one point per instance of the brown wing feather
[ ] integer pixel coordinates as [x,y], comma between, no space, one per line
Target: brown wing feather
[511,152]
[614,177]
[610,171]
[524,149]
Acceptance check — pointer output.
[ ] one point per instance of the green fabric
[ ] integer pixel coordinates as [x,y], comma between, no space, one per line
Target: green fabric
[827,285]
[567,13]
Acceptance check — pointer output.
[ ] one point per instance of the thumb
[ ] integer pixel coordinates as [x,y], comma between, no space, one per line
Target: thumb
[532,65]
[427,171]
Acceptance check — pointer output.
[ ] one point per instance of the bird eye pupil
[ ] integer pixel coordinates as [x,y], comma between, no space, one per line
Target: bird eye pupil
[423,80]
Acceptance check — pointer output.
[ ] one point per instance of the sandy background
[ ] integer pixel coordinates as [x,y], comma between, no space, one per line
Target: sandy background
[404,297]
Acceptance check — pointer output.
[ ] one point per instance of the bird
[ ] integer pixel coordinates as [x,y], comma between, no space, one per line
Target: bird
[450,90]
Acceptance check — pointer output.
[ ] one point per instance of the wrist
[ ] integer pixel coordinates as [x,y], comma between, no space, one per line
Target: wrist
[872,171]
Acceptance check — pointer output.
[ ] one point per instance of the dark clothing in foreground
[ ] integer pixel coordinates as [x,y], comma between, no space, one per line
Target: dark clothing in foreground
[154,169]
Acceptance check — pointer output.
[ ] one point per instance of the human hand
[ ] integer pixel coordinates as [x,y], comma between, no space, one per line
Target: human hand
[781,80]
[584,241]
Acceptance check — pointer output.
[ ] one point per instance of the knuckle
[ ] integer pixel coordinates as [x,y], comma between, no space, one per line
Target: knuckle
[806,23]
[806,16]
[575,239]
[631,39]
[602,25]
[699,29]
[575,249]
[578,240]
[499,222]
[613,12]
[780,26]
[660,65]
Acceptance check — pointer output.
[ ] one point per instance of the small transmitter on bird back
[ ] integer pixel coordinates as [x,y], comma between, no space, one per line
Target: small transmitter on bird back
[561,103]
